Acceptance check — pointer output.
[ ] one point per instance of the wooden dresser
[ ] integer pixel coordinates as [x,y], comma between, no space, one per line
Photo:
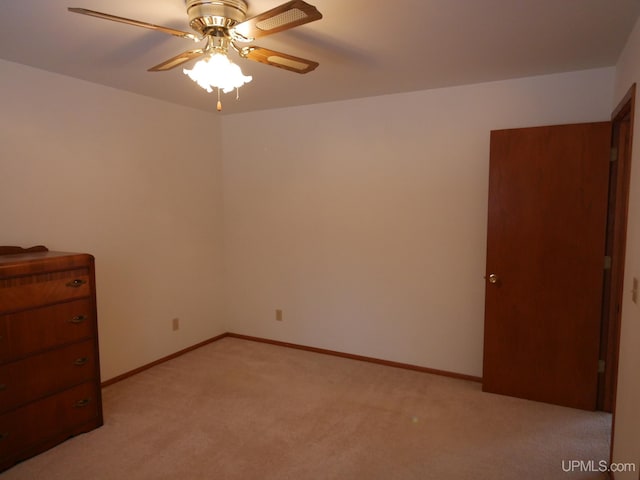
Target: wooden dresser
[49,365]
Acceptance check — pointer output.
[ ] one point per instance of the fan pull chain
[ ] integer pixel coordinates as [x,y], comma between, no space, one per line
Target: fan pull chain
[219,105]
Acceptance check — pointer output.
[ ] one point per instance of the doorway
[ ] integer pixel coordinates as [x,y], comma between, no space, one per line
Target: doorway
[557,355]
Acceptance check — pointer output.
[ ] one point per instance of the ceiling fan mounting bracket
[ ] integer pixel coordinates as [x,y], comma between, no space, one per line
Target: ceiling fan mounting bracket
[212,15]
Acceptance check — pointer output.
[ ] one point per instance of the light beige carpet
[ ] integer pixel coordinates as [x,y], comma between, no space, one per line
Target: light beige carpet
[237,409]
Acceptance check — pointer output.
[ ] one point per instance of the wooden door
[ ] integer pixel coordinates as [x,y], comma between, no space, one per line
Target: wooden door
[545,262]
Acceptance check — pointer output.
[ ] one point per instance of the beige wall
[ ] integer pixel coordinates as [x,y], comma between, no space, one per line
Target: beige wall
[365,220]
[627,424]
[88,168]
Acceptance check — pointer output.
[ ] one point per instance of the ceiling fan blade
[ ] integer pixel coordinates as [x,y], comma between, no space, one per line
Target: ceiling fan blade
[287,15]
[280,60]
[177,60]
[135,23]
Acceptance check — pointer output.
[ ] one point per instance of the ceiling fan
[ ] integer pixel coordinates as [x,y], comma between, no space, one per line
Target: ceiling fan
[223,25]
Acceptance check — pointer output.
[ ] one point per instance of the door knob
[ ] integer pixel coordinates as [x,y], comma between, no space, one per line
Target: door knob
[493,278]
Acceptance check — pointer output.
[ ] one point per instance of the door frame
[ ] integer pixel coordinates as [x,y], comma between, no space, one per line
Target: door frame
[621,141]
[622,120]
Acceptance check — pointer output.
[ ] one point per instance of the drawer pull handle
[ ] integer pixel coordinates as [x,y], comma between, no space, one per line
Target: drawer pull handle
[82,403]
[78,319]
[81,361]
[77,283]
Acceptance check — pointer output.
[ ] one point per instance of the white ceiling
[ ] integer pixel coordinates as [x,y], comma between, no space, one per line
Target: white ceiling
[364,47]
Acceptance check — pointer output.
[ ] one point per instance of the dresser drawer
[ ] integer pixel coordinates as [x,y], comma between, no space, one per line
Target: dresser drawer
[19,293]
[46,373]
[51,419]
[31,331]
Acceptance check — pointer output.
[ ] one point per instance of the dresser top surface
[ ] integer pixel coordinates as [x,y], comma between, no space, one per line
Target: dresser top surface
[34,262]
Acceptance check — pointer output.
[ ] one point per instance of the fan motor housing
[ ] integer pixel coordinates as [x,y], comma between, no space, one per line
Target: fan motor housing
[207,15]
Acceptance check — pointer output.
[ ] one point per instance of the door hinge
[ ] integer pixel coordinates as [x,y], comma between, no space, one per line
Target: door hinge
[601,365]
[614,154]
[607,262]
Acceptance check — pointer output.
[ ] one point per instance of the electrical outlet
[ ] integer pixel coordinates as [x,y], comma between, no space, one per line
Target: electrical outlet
[634,291]
[175,324]
[278,315]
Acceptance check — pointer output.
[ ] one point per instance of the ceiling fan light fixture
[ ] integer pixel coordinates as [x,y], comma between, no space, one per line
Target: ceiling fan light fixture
[217,71]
